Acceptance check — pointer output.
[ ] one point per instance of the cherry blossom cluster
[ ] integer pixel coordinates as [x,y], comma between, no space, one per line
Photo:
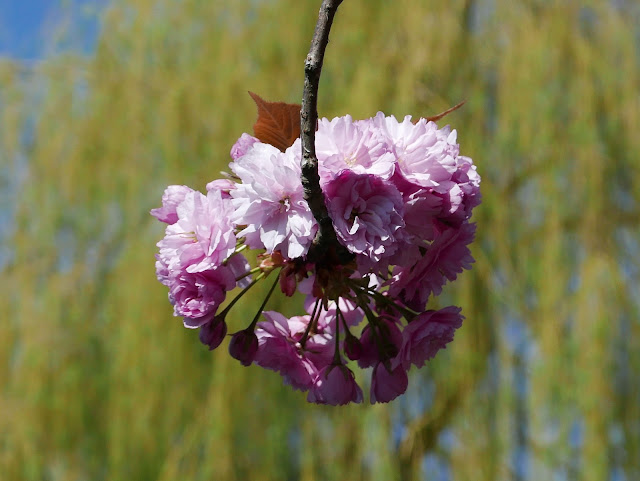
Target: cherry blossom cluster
[399,195]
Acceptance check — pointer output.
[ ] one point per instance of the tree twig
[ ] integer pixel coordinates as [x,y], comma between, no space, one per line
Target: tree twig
[326,240]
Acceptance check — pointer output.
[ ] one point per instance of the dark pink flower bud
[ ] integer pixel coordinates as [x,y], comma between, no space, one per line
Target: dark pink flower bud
[368,350]
[352,348]
[385,385]
[244,346]
[391,339]
[288,281]
[379,343]
[212,333]
[335,385]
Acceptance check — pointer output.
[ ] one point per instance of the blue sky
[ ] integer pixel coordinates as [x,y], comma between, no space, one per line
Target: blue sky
[26,25]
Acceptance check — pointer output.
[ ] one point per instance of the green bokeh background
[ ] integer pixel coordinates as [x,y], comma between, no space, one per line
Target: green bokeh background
[98,381]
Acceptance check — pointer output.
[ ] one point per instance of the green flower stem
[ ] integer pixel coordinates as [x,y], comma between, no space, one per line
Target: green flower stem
[407,313]
[240,246]
[252,326]
[312,321]
[336,352]
[250,272]
[226,310]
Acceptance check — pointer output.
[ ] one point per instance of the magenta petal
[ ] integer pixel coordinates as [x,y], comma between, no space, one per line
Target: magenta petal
[367,213]
[279,350]
[242,145]
[197,295]
[427,334]
[172,197]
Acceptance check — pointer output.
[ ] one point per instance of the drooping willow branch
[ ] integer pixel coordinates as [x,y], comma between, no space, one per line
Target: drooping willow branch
[326,240]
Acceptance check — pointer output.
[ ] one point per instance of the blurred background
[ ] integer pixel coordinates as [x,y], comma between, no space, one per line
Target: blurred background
[103,104]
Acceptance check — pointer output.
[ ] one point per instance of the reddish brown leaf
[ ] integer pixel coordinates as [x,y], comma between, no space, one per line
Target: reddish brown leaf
[435,118]
[278,123]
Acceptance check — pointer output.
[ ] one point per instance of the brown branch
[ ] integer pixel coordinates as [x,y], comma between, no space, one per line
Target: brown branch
[326,240]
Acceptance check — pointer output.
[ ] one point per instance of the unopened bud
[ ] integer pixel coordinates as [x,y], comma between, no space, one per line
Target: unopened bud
[352,347]
[212,333]
[244,346]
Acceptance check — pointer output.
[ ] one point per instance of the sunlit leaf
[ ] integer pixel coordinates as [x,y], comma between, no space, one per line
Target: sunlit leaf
[278,123]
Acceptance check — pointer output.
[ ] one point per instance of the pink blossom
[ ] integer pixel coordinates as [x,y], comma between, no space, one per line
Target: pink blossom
[444,259]
[466,176]
[425,154]
[203,236]
[367,214]
[335,384]
[343,144]
[425,335]
[269,202]
[196,296]
[172,197]
[461,196]
[352,314]
[452,208]
[225,186]
[242,145]
[385,385]
[319,346]
[162,270]
[279,349]
[421,209]
[400,197]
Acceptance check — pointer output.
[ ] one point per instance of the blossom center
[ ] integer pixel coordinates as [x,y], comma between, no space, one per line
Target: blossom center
[285,204]
[190,235]
[351,160]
